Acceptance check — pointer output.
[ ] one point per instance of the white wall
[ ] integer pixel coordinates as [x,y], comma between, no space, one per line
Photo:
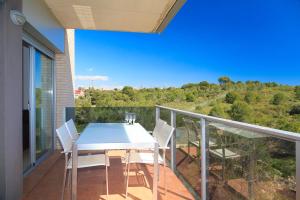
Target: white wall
[65,78]
[41,18]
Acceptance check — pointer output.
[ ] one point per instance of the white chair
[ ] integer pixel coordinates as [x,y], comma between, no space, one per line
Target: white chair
[83,161]
[224,152]
[72,129]
[162,133]
[194,137]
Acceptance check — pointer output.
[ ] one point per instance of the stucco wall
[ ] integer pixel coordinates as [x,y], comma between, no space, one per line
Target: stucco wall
[10,103]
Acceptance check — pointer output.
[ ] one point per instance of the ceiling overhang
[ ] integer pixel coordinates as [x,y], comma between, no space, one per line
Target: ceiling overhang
[149,16]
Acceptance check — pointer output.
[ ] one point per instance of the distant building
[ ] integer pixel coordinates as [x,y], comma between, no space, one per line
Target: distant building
[78,93]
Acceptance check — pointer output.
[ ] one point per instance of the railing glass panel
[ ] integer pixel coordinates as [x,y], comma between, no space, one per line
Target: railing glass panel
[82,116]
[243,164]
[188,153]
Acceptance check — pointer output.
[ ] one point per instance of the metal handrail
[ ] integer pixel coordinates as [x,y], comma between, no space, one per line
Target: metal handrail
[291,136]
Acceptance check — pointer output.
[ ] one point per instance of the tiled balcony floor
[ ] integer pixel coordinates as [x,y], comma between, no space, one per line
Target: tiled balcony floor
[45,182]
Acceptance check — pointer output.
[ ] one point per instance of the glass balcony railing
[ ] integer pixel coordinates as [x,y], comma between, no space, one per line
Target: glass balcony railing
[84,115]
[217,158]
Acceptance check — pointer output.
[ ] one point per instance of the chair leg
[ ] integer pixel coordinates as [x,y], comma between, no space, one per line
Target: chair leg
[64,183]
[127,179]
[165,176]
[125,171]
[69,180]
[106,174]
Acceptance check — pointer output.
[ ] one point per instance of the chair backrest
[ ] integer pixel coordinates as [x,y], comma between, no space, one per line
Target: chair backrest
[72,129]
[163,136]
[64,138]
[158,126]
[191,128]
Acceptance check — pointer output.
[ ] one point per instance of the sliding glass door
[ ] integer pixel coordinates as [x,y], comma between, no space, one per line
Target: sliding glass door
[38,105]
[43,97]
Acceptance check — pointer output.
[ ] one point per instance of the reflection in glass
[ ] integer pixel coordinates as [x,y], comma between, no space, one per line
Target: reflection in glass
[44,103]
[26,113]
[249,165]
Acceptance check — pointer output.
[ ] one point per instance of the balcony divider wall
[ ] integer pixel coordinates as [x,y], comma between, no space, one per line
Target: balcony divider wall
[10,103]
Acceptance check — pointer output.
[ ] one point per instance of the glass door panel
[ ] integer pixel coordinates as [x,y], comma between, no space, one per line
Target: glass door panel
[43,95]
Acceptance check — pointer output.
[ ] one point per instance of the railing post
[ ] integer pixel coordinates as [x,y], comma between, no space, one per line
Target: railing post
[297,169]
[203,159]
[173,141]
[157,114]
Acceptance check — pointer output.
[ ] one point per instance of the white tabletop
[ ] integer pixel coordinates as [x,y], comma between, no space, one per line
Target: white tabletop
[110,136]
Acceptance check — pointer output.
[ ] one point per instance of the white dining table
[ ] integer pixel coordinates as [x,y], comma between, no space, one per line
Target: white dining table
[114,136]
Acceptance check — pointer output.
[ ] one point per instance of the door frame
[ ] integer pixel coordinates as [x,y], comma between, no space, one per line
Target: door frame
[34,46]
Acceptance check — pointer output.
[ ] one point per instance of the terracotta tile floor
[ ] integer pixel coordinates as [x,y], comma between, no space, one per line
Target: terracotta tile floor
[45,182]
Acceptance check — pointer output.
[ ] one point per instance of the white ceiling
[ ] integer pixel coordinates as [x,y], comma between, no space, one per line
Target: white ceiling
[113,15]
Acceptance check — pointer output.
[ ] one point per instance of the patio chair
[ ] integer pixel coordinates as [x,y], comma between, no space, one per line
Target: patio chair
[162,134]
[83,160]
[224,151]
[194,137]
[72,129]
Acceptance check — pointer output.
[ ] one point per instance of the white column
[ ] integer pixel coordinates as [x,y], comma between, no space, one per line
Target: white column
[173,141]
[203,160]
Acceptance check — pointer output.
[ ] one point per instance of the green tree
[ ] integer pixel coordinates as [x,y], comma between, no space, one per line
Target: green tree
[204,85]
[271,84]
[240,111]
[297,92]
[128,90]
[224,80]
[188,85]
[231,97]
[278,99]
[83,101]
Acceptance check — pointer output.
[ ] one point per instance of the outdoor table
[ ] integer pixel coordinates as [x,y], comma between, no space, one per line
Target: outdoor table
[114,136]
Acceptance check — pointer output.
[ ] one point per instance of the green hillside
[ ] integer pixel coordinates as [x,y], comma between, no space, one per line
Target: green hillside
[267,104]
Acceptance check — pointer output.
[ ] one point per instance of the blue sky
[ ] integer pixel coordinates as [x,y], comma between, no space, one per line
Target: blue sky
[245,40]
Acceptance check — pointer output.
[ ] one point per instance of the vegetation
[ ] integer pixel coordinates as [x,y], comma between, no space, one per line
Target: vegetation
[297,92]
[231,97]
[267,104]
[278,98]
[240,111]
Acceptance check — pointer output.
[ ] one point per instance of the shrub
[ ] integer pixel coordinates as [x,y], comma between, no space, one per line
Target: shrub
[278,99]
[217,111]
[240,111]
[190,97]
[231,97]
[128,90]
[297,92]
[250,97]
[295,110]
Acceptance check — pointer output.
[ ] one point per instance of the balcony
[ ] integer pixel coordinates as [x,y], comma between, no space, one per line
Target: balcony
[209,158]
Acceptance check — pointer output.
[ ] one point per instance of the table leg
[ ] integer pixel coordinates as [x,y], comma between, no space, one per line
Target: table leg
[155,176]
[74,171]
